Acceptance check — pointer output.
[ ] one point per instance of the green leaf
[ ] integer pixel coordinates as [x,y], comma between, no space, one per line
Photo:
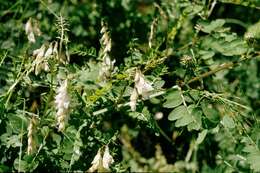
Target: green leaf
[228,122]
[143,116]
[253,156]
[20,165]
[4,168]
[212,26]
[247,3]
[226,44]
[254,160]
[185,120]
[177,113]
[17,122]
[56,138]
[45,130]
[173,99]
[253,31]
[26,164]
[190,116]
[201,136]
[210,112]
[10,141]
[196,123]
[193,9]
[206,54]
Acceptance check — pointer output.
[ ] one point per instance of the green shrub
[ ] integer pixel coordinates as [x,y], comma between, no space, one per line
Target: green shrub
[123,86]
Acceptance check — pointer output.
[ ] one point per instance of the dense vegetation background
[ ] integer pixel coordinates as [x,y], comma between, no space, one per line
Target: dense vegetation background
[130,85]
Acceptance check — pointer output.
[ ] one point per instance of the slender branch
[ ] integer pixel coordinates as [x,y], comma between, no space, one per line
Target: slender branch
[206,74]
[163,133]
[3,58]
[48,8]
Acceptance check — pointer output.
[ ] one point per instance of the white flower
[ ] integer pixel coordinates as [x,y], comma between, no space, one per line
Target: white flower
[107,158]
[28,26]
[133,99]
[97,162]
[40,63]
[108,62]
[100,163]
[62,101]
[41,60]
[107,67]
[39,53]
[142,86]
[31,37]
[45,66]
[31,30]
[49,51]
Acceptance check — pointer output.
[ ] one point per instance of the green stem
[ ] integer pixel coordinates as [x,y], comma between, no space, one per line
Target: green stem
[164,134]
[20,150]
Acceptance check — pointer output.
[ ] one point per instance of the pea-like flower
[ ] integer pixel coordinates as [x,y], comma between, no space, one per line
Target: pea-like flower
[42,55]
[40,63]
[107,159]
[97,162]
[142,87]
[31,30]
[100,163]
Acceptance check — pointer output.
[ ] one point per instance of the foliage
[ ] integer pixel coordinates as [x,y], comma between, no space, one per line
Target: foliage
[120,85]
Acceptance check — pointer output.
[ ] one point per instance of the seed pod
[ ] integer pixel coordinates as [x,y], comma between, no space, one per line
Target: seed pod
[31,141]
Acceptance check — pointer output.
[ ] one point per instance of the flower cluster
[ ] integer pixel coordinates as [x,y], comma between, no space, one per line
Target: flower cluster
[142,87]
[62,101]
[100,163]
[107,64]
[41,61]
[32,30]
